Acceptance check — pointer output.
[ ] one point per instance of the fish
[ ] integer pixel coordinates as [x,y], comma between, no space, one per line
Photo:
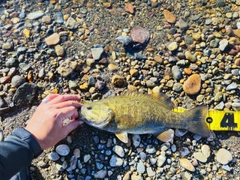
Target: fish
[134,113]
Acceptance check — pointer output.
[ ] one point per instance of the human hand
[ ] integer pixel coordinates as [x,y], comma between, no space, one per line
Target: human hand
[46,124]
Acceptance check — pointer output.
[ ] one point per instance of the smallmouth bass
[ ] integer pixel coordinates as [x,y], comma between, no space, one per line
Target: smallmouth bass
[142,114]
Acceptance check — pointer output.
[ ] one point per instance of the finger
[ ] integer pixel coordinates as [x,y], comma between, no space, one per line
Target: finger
[67,112]
[62,98]
[67,104]
[49,98]
[71,126]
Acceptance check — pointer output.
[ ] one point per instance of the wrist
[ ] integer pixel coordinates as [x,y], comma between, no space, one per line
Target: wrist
[26,136]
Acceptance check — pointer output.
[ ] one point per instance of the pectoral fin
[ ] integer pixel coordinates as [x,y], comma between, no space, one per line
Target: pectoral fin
[166,136]
[122,136]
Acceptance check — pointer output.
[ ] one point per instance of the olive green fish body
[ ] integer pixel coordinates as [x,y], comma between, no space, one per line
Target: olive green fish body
[142,114]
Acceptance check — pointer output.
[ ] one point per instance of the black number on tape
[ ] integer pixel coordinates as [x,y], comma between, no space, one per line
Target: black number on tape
[228,121]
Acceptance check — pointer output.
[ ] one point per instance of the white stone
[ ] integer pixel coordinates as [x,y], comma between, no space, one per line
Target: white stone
[63,149]
[140,167]
[200,157]
[115,161]
[206,150]
[223,156]
[150,172]
[119,150]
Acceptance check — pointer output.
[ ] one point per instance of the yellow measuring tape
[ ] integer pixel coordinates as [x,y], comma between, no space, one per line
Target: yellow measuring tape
[220,120]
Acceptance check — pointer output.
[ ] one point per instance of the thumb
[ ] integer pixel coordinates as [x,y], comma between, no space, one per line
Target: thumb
[71,126]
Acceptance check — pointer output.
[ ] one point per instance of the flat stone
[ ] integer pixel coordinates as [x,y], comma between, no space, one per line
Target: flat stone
[182,24]
[169,16]
[115,161]
[139,34]
[52,39]
[140,167]
[97,52]
[172,46]
[17,81]
[35,15]
[63,149]
[192,85]
[125,40]
[53,156]
[67,67]
[206,150]
[72,23]
[185,163]
[223,156]
[119,150]
[223,44]
[200,157]
[100,174]
[59,50]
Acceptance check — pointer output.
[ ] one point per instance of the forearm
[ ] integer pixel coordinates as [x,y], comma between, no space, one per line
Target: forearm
[17,152]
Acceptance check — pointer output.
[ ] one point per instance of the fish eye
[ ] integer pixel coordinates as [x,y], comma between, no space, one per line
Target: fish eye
[89,107]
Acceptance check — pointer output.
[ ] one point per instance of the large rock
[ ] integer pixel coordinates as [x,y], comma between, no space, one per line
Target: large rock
[25,94]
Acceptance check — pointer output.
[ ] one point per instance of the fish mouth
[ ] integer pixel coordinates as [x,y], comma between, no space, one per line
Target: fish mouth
[90,122]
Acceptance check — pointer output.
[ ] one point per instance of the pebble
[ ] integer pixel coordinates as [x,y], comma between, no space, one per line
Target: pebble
[136,139]
[150,149]
[35,15]
[223,44]
[139,34]
[52,39]
[86,158]
[119,150]
[192,85]
[172,46]
[97,52]
[63,149]
[118,81]
[100,174]
[169,16]
[17,81]
[177,74]
[53,156]
[206,150]
[115,161]
[185,163]
[190,57]
[200,157]
[140,167]
[125,40]
[223,156]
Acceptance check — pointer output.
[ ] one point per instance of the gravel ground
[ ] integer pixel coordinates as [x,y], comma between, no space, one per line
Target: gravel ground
[189,50]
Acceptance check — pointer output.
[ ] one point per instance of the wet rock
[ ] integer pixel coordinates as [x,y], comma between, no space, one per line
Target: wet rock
[192,85]
[25,94]
[139,34]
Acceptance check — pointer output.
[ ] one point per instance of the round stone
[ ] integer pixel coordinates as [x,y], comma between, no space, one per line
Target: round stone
[172,46]
[169,16]
[119,150]
[223,156]
[139,34]
[63,149]
[192,85]
[206,150]
[53,156]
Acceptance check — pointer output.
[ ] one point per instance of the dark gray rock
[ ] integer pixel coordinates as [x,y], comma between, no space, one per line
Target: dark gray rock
[25,94]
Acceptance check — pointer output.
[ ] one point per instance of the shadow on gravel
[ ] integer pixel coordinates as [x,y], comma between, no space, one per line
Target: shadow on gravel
[37,174]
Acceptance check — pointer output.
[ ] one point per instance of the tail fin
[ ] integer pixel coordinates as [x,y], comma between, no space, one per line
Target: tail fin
[195,121]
